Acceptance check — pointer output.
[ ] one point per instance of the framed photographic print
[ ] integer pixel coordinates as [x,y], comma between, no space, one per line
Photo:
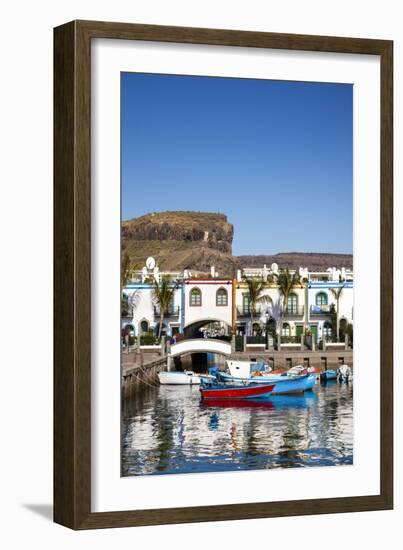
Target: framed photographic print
[223,315]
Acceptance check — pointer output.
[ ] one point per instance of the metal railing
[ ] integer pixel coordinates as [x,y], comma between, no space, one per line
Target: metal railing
[256,339]
[330,338]
[320,310]
[172,312]
[127,313]
[145,340]
[290,339]
[246,311]
[295,311]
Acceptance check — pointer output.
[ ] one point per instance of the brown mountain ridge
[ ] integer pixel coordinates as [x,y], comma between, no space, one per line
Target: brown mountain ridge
[198,240]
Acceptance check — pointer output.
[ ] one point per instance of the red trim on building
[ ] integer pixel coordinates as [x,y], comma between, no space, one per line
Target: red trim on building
[207,281]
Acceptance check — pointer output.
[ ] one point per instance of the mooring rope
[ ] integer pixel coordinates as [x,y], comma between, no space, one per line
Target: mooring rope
[148,375]
[141,380]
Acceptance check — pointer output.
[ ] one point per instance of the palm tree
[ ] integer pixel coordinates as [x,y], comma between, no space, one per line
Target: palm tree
[163,293]
[286,282]
[125,269]
[124,305]
[337,292]
[130,302]
[256,296]
[127,303]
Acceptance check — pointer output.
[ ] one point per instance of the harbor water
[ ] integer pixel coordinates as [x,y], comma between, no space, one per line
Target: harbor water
[169,430]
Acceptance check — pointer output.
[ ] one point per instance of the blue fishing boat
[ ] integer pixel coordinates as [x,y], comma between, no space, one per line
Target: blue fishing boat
[282,384]
[328,375]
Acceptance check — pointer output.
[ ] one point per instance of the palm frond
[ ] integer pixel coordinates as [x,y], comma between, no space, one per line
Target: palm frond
[337,292]
[286,282]
[256,287]
[163,293]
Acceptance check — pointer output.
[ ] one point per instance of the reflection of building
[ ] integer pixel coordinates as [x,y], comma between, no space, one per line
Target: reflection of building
[311,305]
[282,432]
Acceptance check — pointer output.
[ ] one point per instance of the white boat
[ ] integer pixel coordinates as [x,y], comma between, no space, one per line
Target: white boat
[179,378]
[344,373]
[297,370]
[245,369]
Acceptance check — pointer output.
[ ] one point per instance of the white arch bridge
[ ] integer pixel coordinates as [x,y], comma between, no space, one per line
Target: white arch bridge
[200,345]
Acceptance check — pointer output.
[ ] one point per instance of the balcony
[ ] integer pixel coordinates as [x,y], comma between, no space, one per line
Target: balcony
[320,311]
[127,313]
[246,312]
[295,311]
[171,312]
[256,340]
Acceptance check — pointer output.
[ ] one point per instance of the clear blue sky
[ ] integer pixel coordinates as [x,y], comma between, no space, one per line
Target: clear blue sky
[275,156]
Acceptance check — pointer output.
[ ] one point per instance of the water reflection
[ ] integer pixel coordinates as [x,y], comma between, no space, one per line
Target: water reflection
[167,429]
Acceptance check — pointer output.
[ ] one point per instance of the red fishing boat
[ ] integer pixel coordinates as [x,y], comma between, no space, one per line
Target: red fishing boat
[222,391]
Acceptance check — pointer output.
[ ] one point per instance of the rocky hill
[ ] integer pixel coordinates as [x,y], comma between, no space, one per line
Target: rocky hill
[199,240]
[181,240]
[314,261]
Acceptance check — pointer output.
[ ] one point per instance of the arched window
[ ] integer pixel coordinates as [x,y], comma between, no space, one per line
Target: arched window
[144,326]
[222,297]
[195,297]
[327,329]
[286,330]
[321,299]
[292,303]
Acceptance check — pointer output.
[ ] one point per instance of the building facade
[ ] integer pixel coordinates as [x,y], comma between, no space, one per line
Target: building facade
[217,306]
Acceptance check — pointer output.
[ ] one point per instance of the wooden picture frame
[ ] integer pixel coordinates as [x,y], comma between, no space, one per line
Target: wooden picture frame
[72,274]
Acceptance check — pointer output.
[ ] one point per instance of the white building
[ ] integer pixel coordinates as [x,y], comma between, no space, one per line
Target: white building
[144,314]
[207,300]
[216,302]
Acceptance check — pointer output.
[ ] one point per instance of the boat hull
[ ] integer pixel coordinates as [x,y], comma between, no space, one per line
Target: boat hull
[178,378]
[261,404]
[283,384]
[328,375]
[222,391]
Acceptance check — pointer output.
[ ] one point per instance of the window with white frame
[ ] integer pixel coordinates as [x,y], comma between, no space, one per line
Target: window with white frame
[292,303]
[286,331]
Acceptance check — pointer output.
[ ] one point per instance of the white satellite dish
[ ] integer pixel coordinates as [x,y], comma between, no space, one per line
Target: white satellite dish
[150,263]
[274,268]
